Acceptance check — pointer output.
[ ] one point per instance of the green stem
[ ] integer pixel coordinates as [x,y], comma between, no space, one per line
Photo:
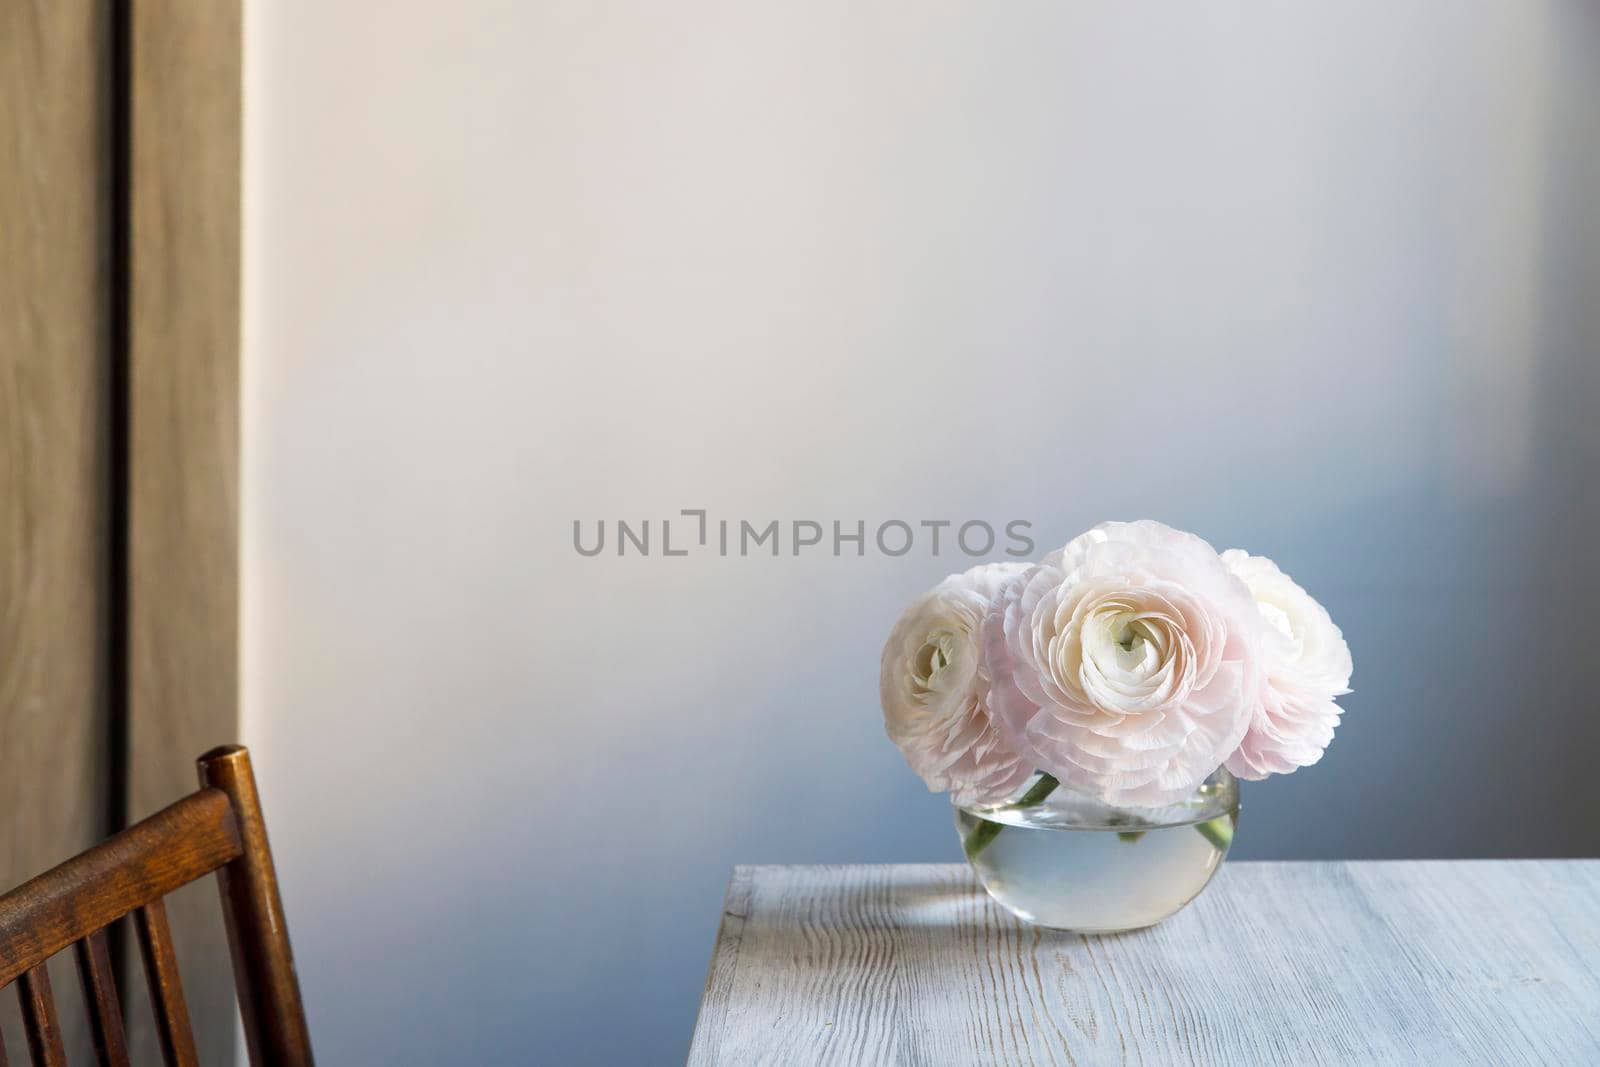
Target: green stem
[1218,831]
[980,837]
[1046,785]
[986,831]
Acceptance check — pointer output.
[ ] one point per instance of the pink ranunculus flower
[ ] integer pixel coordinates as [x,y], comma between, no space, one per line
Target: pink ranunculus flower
[1307,664]
[1126,664]
[934,691]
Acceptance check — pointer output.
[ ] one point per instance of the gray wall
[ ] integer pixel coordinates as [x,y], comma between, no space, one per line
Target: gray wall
[1318,283]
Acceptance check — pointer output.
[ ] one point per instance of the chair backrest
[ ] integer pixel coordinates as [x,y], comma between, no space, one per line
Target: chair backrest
[219,829]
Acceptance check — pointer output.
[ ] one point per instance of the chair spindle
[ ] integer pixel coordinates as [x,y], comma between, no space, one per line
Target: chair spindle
[100,995]
[39,1020]
[166,990]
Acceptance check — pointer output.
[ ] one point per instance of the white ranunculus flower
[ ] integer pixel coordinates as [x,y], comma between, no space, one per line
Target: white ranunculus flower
[1125,664]
[934,690]
[1307,666]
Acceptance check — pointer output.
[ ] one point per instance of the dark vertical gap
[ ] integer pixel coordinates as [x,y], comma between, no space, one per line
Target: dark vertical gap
[121,278]
[121,329]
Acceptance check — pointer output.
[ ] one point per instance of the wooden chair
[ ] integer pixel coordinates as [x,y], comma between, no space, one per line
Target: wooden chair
[219,829]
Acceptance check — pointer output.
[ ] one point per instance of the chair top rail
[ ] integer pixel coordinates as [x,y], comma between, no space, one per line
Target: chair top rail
[148,860]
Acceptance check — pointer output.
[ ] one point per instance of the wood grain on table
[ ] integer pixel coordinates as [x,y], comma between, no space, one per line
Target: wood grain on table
[1415,962]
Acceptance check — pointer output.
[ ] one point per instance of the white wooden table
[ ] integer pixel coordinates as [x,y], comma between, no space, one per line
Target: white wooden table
[1429,962]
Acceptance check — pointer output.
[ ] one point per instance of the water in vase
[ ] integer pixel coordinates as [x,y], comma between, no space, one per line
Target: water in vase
[1075,863]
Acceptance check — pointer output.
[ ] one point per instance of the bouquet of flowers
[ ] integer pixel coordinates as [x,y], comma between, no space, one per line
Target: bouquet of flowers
[1127,666]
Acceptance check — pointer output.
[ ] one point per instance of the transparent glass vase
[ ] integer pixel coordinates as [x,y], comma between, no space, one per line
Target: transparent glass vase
[1064,860]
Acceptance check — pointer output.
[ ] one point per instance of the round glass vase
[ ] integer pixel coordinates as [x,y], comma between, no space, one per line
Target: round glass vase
[1065,860]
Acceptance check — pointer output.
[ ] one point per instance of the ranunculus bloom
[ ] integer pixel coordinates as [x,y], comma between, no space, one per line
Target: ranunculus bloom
[1125,664]
[934,694]
[1307,665]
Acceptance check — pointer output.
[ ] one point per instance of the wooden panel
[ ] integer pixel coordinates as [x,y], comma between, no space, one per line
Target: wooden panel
[184,384]
[184,445]
[55,439]
[1413,962]
[54,436]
